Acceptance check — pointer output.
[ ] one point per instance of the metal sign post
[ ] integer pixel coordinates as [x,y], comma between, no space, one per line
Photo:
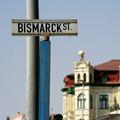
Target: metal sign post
[32,65]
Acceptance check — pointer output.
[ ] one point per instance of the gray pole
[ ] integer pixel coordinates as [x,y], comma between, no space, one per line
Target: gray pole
[32,65]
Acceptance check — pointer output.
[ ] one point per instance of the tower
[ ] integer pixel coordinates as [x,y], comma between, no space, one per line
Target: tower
[84,75]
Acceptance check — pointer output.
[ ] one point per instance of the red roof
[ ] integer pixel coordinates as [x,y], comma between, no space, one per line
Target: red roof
[110,65]
[69,80]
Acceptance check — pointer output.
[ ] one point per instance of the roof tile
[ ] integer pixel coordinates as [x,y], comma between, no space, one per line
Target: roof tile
[110,65]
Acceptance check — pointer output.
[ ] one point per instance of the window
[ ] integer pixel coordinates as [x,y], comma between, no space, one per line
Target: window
[91,102]
[104,77]
[78,78]
[81,101]
[90,78]
[84,77]
[103,101]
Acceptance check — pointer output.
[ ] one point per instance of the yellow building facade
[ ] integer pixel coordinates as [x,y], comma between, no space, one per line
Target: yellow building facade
[91,92]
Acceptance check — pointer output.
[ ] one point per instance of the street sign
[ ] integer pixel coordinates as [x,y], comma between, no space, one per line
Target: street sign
[44,27]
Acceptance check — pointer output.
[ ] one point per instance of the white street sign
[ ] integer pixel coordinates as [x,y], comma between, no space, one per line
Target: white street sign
[44,27]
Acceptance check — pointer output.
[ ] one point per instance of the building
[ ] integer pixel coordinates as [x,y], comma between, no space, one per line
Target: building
[19,116]
[91,92]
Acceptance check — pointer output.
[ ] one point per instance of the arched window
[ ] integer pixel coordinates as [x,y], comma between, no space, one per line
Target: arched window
[78,78]
[84,77]
[103,101]
[81,101]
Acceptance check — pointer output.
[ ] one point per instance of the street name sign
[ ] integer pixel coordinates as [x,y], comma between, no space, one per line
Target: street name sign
[44,27]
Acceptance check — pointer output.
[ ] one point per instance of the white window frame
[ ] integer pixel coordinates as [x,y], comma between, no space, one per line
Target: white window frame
[81,101]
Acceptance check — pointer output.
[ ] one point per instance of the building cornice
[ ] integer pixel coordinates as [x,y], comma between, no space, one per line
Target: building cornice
[97,85]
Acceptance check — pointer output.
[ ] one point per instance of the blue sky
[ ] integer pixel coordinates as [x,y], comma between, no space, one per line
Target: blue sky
[98,36]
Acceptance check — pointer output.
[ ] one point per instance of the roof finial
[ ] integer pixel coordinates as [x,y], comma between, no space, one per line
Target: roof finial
[81,54]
